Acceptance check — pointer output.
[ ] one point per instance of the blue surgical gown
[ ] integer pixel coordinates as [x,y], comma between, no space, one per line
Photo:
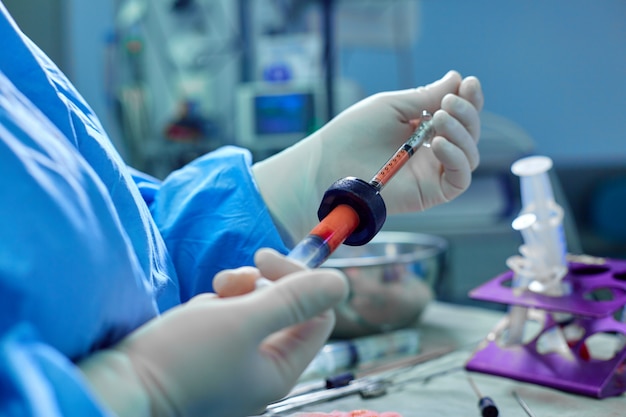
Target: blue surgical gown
[90,249]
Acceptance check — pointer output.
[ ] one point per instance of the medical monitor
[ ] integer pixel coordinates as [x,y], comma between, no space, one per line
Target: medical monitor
[273,116]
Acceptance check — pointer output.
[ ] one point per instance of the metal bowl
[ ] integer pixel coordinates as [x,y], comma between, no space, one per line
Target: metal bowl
[391,281]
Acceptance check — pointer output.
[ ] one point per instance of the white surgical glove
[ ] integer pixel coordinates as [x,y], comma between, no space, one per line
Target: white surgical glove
[363,137]
[222,356]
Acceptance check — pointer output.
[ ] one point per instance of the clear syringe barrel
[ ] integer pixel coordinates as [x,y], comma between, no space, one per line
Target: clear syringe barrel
[538,198]
[322,241]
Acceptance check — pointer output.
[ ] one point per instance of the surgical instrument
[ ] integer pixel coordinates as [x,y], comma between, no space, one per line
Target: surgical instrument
[347,377]
[523,404]
[316,397]
[366,383]
[352,210]
[485,404]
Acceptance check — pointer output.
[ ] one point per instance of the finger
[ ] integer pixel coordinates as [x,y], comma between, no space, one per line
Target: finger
[274,265]
[464,112]
[298,298]
[449,124]
[410,103]
[471,90]
[233,282]
[456,175]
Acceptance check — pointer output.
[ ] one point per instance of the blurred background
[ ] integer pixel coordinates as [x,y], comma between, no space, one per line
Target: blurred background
[172,79]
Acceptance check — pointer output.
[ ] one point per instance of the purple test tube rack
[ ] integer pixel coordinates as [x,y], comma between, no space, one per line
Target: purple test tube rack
[576,372]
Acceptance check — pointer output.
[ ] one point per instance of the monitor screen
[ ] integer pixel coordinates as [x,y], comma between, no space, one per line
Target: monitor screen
[284,113]
[274,116]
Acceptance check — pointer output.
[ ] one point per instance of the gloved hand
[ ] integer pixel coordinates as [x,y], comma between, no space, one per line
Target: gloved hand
[362,138]
[222,356]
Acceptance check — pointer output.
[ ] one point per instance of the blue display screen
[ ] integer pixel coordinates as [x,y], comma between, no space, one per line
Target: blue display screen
[287,113]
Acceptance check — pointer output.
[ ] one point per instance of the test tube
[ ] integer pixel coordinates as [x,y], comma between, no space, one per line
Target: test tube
[548,239]
[538,198]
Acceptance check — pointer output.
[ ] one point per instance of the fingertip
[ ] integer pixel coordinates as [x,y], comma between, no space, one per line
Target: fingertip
[441,118]
[452,80]
[274,265]
[265,255]
[471,90]
[233,282]
[220,279]
[448,83]
[427,97]
[474,80]
[441,145]
[449,101]
[457,106]
[454,74]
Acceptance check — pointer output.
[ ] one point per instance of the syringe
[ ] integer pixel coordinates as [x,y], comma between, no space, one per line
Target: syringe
[352,210]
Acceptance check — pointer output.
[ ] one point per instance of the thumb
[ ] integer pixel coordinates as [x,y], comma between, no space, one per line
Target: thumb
[410,103]
[273,265]
[233,282]
[298,298]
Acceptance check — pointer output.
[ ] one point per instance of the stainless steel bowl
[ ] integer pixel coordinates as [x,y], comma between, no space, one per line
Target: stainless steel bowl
[391,281]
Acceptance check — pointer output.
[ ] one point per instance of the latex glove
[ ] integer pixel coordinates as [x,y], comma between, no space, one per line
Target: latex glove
[222,356]
[270,266]
[362,138]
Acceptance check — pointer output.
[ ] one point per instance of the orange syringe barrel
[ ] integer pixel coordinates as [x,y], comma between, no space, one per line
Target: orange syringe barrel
[392,166]
[422,135]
